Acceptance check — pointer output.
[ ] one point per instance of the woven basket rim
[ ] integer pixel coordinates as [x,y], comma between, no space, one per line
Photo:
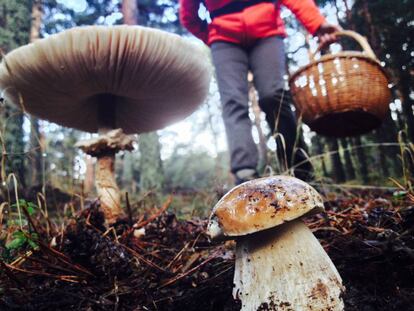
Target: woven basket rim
[346,109]
[330,57]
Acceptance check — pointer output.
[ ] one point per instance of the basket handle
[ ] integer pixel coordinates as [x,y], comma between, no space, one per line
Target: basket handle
[362,41]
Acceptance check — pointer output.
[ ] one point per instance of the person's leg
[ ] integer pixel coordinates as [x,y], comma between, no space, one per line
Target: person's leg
[231,64]
[267,62]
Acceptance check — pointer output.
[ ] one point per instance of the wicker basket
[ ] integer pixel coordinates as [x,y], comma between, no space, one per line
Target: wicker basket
[342,94]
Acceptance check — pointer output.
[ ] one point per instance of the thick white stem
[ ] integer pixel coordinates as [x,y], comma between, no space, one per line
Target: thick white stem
[286,269]
[108,191]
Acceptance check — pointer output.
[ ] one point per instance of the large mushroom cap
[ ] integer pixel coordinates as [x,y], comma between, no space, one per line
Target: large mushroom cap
[154,78]
[262,204]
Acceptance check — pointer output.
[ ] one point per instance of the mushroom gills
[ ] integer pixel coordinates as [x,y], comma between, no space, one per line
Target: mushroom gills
[285,268]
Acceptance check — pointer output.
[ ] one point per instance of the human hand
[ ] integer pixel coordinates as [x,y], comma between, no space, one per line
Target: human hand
[325,33]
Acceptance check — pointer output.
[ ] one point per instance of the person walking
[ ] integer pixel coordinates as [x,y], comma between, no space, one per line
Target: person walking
[248,35]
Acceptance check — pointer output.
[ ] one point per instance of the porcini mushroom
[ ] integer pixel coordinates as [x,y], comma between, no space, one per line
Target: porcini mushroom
[101,78]
[280,265]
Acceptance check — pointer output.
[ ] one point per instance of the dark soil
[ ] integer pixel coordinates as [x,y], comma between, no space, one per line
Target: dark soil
[174,267]
[373,250]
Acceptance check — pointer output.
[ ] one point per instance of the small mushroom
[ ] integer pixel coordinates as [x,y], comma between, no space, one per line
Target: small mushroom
[104,148]
[100,78]
[280,265]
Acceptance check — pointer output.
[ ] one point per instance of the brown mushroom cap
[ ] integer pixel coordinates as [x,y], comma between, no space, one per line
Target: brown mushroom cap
[114,140]
[154,78]
[262,204]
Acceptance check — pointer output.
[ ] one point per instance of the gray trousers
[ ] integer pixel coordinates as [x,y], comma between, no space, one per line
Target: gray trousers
[266,60]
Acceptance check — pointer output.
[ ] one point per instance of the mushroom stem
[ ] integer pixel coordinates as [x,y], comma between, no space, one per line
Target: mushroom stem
[104,148]
[285,268]
[106,112]
[106,186]
[108,191]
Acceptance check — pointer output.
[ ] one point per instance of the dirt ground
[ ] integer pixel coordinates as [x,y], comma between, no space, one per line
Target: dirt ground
[173,266]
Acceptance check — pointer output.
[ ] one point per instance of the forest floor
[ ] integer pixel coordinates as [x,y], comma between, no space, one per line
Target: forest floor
[172,266]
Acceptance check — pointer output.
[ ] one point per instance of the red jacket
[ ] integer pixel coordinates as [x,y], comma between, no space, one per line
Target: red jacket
[257,21]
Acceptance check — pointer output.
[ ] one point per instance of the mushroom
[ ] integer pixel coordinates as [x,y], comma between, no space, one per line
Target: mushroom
[104,148]
[101,78]
[280,265]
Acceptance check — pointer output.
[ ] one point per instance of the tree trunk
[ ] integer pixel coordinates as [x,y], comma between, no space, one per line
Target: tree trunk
[372,32]
[130,12]
[14,143]
[362,162]
[214,133]
[382,155]
[35,152]
[127,181]
[407,102]
[37,14]
[14,32]
[348,13]
[350,170]
[387,132]
[151,177]
[36,148]
[337,166]
[319,150]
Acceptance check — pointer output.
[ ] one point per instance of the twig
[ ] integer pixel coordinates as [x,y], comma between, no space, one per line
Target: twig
[26,213]
[183,275]
[11,276]
[177,256]
[21,259]
[129,211]
[148,262]
[156,215]
[68,278]
[2,206]
[62,257]
[218,274]
[327,229]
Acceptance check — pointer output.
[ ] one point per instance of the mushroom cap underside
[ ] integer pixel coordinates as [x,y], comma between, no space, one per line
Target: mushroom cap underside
[262,204]
[153,78]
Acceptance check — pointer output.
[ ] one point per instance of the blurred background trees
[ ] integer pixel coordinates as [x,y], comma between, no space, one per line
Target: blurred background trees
[14,32]
[192,155]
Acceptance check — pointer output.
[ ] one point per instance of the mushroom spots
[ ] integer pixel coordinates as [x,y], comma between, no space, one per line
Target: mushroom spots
[275,204]
[274,304]
[319,291]
[264,203]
